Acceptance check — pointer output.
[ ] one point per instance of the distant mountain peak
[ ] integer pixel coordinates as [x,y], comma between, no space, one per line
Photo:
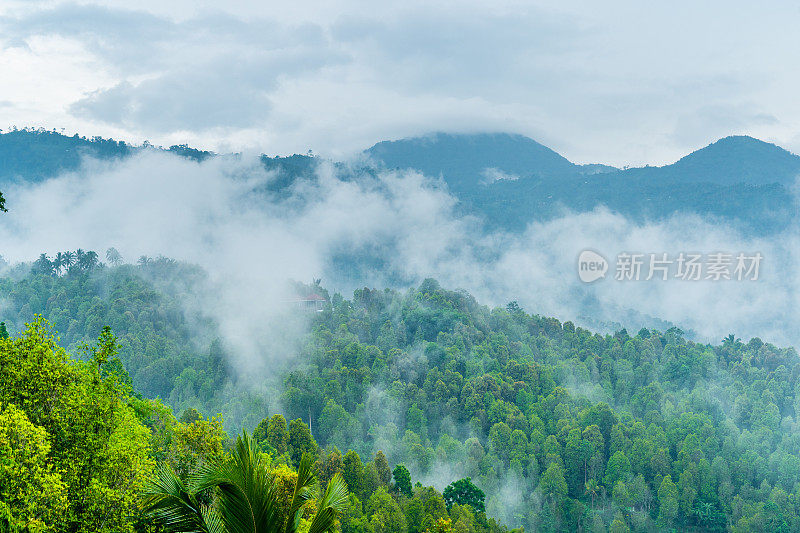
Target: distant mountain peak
[463,159]
[739,159]
[742,144]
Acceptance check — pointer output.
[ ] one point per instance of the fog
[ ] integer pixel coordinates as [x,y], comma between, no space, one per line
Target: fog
[384,229]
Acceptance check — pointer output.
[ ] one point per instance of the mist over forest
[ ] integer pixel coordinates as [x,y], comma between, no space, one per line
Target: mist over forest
[407,322]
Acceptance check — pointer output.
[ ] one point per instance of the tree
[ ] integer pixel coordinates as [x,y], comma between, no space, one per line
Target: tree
[332,419]
[260,433]
[442,525]
[371,483]
[90,260]
[301,441]
[43,265]
[353,472]
[277,434]
[32,495]
[247,496]
[500,439]
[113,256]
[576,455]
[58,262]
[382,468]
[194,444]
[386,514]
[619,525]
[332,464]
[464,492]
[402,480]
[69,259]
[618,468]
[3,331]
[99,448]
[80,259]
[553,484]
[592,489]
[667,500]
[620,495]
[189,415]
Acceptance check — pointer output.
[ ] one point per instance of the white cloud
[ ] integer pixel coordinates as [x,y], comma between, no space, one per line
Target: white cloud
[614,82]
[381,229]
[492,174]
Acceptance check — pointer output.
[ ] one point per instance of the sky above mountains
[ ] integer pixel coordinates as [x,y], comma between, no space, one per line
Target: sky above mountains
[619,83]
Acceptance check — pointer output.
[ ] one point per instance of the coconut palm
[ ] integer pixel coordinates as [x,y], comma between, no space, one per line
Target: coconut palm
[43,265]
[58,262]
[69,259]
[113,256]
[90,260]
[80,258]
[592,488]
[246,498]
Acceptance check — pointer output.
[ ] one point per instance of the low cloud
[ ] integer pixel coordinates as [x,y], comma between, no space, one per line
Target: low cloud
[490,175]
[391,229]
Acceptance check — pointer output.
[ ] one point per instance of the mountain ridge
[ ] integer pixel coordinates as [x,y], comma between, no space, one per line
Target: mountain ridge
[748,159]
[508,180]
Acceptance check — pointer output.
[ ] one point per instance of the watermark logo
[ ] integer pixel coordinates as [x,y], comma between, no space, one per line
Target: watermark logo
[591,266]
[630,266]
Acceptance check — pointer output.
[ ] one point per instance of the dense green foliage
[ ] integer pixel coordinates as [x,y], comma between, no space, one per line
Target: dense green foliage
[73,454]
[559,427]
[168,351]
[248,496]
[698,436]
[464,492]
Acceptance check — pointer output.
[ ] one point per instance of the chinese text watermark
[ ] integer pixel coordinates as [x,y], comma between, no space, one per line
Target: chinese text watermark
[684,266]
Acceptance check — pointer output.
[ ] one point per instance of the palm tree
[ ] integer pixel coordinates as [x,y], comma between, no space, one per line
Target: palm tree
[69,259]
[113,256]
[43,265]
[592,488]
[58,262]
[91,260]
[246,497]
[80,258]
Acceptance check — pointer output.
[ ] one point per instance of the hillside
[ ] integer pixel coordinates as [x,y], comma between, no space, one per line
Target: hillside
[33,155]
[586,430]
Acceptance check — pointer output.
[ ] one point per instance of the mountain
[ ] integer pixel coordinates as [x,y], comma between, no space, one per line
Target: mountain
[465,161]
[508,180]
[732,160]
[742,180]
[469,161]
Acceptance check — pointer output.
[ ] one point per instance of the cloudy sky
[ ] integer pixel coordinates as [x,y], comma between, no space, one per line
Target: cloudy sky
[619,82]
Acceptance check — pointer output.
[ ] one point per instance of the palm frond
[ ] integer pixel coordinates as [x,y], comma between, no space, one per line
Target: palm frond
[213,520]
[324,521]
[247,502]
[168,501]
[303,491]
[332,503]
[336,494]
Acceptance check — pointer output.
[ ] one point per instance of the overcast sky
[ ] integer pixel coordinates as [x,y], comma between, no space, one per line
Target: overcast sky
[613,82]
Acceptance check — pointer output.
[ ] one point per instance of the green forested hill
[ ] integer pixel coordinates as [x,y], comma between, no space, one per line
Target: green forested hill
[32,155]
[507,180]
[559,426]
